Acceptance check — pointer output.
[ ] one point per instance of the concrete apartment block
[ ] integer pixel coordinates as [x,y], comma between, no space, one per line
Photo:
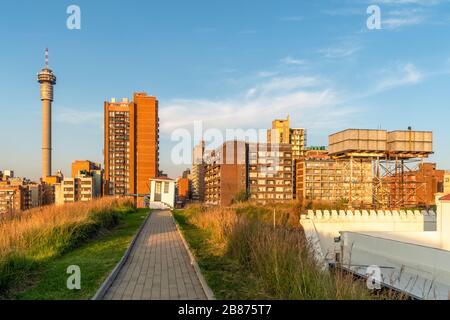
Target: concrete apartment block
[131,145]
[226,173]
[271,172]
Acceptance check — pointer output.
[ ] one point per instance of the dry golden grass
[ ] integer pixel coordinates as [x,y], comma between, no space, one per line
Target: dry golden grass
[220,222]
[30,237]
[15,231]
[278,256]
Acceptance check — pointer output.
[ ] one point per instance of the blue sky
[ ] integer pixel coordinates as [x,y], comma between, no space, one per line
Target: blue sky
[232,64]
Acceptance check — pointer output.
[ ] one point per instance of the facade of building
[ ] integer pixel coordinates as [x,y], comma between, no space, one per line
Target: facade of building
[186,174]
[298,142]
[198,172]
[282,133]
[19,194]
[183,185]
[66,191]
[131,148]
[447,182]
[322,178]
[84,166]
[6,174]
[13,199]
[84,187]
[49,187]
[35,197]
[434,181]
[418,187]
[226,173]
[271,172]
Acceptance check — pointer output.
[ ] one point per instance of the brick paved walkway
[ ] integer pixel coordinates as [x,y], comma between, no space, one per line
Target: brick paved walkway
[158,267]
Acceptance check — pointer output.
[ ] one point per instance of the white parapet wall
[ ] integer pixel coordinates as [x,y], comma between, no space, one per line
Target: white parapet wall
[420,269]
[322,227]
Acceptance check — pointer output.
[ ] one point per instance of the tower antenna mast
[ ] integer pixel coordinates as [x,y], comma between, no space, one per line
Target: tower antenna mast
[46,58]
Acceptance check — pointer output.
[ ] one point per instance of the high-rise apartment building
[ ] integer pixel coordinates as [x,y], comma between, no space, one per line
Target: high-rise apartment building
[226,173]
[198,172]
[319,177]
[271,172]
[298,142]
[282,133]
[131,148]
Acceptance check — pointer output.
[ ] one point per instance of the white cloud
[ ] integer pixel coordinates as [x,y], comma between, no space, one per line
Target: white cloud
[397,22]
[287,84]
[77,117]
[307,99]
[292,61]
[404,17]
[403,75]
[404,13]
[342,50]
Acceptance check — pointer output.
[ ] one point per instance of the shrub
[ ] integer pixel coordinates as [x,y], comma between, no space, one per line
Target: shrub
[241,196]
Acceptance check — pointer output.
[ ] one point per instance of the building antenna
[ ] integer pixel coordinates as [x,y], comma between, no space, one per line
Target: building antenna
[46,58]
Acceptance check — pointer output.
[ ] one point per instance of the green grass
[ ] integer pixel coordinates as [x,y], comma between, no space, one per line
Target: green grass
[96,258]
[223,274]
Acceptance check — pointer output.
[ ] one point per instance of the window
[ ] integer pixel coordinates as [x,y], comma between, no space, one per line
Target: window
[166,187]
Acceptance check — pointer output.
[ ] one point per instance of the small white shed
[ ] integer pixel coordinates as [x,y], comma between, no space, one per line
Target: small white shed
[162,193]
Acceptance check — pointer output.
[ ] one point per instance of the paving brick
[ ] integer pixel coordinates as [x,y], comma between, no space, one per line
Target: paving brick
[158,267]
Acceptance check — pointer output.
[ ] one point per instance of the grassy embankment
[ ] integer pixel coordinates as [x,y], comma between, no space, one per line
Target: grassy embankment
[36,247]
[243,256]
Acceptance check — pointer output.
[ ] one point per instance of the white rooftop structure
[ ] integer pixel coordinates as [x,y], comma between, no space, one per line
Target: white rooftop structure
[410,249]
[162,193]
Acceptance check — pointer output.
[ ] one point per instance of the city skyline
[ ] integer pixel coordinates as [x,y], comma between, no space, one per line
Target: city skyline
[321,66]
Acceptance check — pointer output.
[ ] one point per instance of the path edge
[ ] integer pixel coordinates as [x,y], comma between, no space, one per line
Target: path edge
[113,275]
[208,292]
